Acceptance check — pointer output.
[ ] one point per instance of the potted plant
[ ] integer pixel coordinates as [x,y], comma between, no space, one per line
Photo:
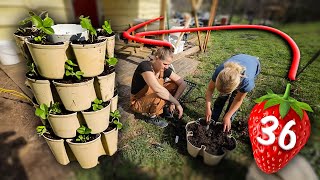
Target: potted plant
[105,82]
[39,86]
[90,54]
[56,145]
[63,123]
[24,33]
[110,135]
[48,57]
[107,33]
[75,92]
[86,147]
[97,117]
[209,141]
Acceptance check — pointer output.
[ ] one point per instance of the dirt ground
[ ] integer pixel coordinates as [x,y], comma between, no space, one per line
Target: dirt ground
[23,154]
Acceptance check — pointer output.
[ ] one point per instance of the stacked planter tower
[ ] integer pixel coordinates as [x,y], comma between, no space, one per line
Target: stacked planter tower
[75,98]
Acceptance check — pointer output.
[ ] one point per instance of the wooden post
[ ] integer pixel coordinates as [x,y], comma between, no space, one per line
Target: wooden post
[163,13]
[214,6]
[195,8]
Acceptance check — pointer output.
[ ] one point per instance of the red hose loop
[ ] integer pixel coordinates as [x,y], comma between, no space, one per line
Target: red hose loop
[295,50]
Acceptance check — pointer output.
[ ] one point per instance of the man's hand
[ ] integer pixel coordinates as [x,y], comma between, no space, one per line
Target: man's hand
[226,124]
[208,114]
[180,110]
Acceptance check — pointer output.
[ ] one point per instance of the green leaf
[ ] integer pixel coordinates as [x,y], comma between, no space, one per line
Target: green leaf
[48,30]
[272,102]
[79,73]
[48,22]
[81,129]
[107,27]
[36,21]
[284,109]
[71,63]
[100,107]
[304,106]
[95,107]
[269,91]
[68,73]
[265,97]
[297,109]
[25,21]
[87,131]
[119,124]
[41,130]
[112,61]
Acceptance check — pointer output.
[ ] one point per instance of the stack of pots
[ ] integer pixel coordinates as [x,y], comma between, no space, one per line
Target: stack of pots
[75,97]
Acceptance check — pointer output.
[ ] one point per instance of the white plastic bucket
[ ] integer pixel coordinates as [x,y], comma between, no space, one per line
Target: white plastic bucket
[8,53]
[68,32]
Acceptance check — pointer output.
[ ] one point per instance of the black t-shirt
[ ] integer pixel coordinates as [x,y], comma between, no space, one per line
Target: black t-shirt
[137,80]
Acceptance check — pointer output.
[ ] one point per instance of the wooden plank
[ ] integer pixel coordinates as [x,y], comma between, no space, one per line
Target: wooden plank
[214,6]
[163,14]
[186,53]
[17,73]
[185,66]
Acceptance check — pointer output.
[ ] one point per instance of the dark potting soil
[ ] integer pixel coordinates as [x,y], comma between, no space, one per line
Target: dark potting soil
[68,80]
[33,76]
[104,33]
[104,104]
[214,138]
[52,136]
[91,138]
[110,127]
[88,41]
[241,127]
[45,42]
[27,32]
[107,70]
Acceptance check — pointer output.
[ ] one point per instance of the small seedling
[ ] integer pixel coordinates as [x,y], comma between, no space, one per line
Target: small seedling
[83,134]
[107,27]
[116,119]
[112,61]
[42,130]
[97,105]
[70,71]
[54,108]
[31,69]
[85,23]
[42,111]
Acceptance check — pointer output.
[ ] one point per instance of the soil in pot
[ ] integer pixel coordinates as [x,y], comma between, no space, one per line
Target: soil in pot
[52,136]
[214,138]
[67,80]
[27,32]
[91,138]
[241,127]
[95,41]
[110,127]
[45,42]
[107,70]
[102,32]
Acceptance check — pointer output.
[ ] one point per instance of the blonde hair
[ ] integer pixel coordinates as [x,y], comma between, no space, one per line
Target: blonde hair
[163,53]
[229,78]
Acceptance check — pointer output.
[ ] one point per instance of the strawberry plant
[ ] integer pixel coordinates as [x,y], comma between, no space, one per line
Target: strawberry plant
[31,69]
[44,26]
[107,27]
[279,127]
[97,105]
[69,65]
[42,130]
[85,23]
[83,134]
[116,118]
[43,110]
[112,61]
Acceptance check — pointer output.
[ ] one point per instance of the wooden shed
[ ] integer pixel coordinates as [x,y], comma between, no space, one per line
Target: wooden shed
[123,12]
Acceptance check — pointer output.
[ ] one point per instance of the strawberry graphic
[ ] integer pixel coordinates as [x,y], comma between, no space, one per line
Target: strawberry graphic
[279,127]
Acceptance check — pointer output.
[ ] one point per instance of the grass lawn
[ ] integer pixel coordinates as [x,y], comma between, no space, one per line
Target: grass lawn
[140,156]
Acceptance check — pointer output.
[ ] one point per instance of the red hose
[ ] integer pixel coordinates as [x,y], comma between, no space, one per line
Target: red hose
[295,50]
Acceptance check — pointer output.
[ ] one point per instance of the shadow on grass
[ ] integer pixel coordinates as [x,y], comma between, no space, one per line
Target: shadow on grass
[114,167]
[226,169]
